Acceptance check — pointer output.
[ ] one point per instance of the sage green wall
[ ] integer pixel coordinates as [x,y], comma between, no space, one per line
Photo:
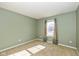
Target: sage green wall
[66,24]
[77,44]
[15,27]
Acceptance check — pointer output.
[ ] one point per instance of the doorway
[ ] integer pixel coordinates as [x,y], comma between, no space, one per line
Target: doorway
[51,31]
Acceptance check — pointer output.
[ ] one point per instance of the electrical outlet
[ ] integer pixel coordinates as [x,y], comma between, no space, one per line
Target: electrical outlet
[19,40]
[70,41]
[40,36]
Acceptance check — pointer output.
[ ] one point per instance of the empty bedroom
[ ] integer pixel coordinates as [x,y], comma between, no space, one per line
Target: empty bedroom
[39,29]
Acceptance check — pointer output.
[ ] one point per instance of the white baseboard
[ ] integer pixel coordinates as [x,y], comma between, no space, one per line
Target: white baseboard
[39,39]
[31,41]
[61,44]
[68,46]
[16,45]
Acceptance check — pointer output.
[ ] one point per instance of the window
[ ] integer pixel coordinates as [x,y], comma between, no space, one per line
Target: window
[50,27]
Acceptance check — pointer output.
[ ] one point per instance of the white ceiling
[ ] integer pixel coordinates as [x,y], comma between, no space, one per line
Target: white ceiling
[40,9]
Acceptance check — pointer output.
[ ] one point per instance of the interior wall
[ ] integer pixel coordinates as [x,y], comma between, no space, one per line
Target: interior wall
[15,28]
[77,24]
[66,24]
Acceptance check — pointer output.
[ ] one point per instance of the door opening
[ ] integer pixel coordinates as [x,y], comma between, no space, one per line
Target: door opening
[51,31]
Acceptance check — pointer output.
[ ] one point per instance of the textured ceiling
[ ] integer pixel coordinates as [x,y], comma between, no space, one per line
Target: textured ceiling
[40,9]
